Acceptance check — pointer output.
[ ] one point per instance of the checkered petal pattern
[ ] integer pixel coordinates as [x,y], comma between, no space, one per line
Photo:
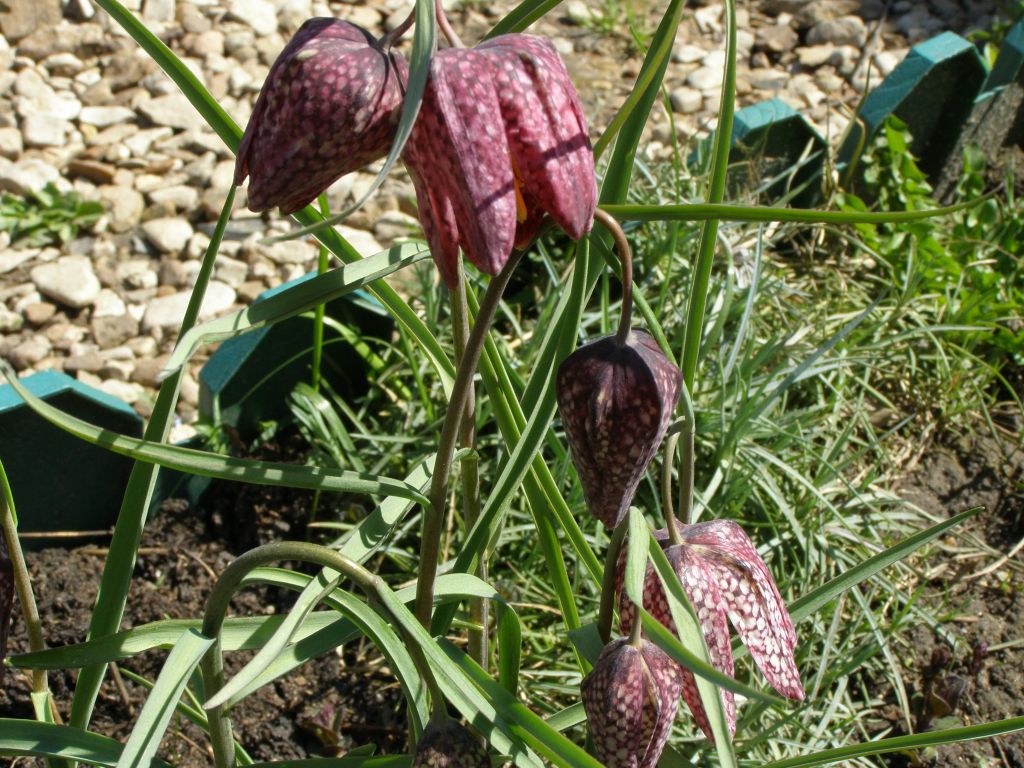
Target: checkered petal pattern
[630,698]
[329,106]
[723,576]
[616,401]
[500,141]
[448,744]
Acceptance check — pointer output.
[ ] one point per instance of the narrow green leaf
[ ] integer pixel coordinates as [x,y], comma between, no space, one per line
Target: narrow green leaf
[903,743]
[120,563]
[636,556]
[34,739]
[317,589]
[156,714]
[522,16]
[213,465]
[295,300]
[510,638]
[384,761]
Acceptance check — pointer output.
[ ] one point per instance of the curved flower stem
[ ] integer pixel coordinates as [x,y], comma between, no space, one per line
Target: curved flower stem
[445,26]
[666,490]
[433,516]
[611,562]
[220,599]
[395,34]
[468,470]
[23,586]
[626,257]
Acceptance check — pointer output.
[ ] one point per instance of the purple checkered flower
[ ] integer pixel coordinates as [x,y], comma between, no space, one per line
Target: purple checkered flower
[447,744]
[630,697]
[329,106]
[724,578]
[616,400]
[500,141]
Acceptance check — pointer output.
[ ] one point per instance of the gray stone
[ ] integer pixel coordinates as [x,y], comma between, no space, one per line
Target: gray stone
[846,30]
[705,78]
[10,322]
[147,370]
[158,10]
[20,18]
[813,56]
[168,235]
[114,330]
[117,370]
[28,175]
[232,272]
[29,352]
[141,142]
[69,280]
[208,43]
[108,304]
[178,197]
[778,38]
[687,53]
[258,14]
[685,100]
[39,312]
[123,390]
[124,207]
[102,117]
[11,258]
[166,312]
[43,130]
[90,362]
[174,111]
[11,144]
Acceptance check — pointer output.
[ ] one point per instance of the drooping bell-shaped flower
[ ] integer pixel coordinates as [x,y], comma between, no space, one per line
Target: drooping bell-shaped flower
[726,580]
[500,141]
[329,106]
[616,400]
[447,744]
[631,697]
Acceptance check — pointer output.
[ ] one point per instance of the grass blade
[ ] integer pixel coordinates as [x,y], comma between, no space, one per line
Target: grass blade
[156,714]
[32,739]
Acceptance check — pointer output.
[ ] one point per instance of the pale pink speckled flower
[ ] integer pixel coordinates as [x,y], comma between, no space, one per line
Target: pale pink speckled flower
[500,141]
[631,697]
[724,578]
[329,106]
[616,400]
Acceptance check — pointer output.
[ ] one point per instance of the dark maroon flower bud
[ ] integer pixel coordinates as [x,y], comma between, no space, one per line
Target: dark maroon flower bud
[630,698]
[726,580]
[500,140]
[448,744]
[329,106]
[616,400]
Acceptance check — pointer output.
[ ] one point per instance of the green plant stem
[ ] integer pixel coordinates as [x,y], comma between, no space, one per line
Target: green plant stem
[611,562]
[469,471]
[716,192]
[220,600]
[318,316]
[626,261]
[23,586]
[686,465]
[433,515]
[671,442]
[120,563]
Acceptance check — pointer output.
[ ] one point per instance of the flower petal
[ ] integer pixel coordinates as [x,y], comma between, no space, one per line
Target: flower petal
[615,697]
[546,128]
[753,601]
[458,148]
[328,107]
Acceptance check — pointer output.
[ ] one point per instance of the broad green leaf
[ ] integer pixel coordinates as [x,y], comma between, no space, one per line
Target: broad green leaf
[572,715]
[903,743]
[294,301]
[155,716]
[213,465]
[33,739]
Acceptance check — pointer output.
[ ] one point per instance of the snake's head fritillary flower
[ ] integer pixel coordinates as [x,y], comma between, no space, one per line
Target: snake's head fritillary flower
[616,400]
[329,106]
[630,698]
[726,580]
[447,744]
[500,141]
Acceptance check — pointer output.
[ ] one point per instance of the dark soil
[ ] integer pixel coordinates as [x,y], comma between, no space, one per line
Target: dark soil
[325,707]
[964,677]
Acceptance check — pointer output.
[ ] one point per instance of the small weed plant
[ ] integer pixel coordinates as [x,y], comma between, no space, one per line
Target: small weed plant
[601,402]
